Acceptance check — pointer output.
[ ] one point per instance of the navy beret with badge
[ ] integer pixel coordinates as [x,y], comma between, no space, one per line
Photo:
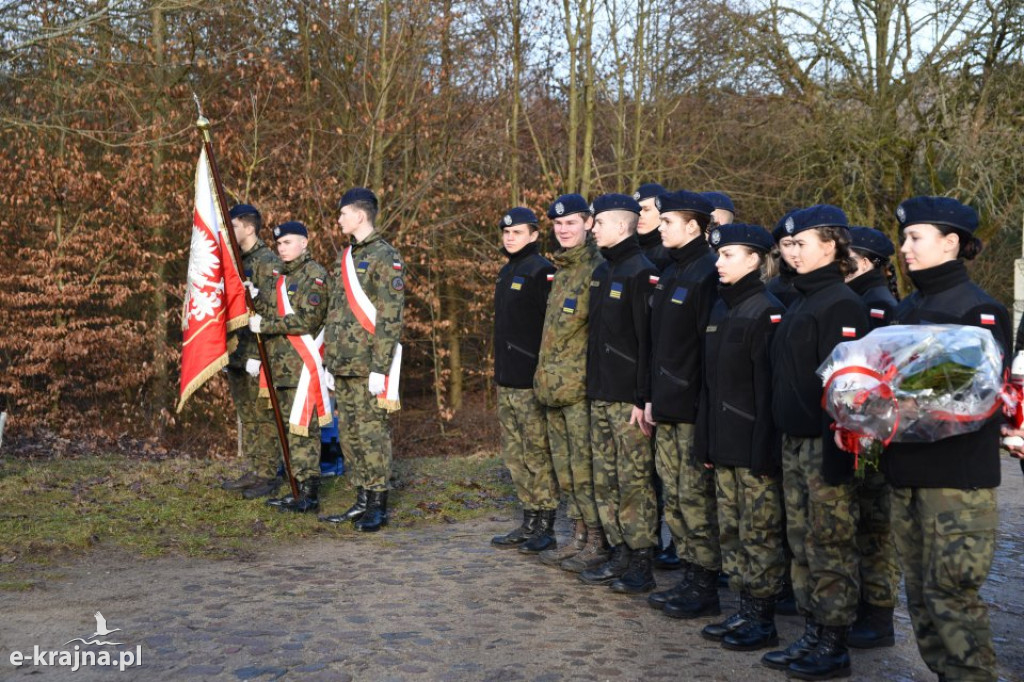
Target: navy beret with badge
[754,236]
[720,200]
[780,227]
[358,194]
[291,227]
[684,201]
[820,215]
[937,211]
[648,190]
[872,241]
[518,216]
[567,204]
[615,202]
[243,209]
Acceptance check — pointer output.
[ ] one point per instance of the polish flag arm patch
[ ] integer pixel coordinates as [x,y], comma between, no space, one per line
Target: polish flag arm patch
[849,332]
[551,277]
[988,320]
[878,313]
[775,318]
[653,279]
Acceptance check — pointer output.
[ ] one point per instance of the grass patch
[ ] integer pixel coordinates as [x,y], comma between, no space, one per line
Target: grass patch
[55,508]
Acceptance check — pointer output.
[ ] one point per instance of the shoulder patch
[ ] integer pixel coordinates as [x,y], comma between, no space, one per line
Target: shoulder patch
[988,320]
[849,332]
[615,291]
[314,299]
[317,281]
[396,265]
[397,284]
[878,313]
[775,318]
[517,283]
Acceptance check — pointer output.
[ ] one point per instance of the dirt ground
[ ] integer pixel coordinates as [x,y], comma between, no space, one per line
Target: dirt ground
[435,603]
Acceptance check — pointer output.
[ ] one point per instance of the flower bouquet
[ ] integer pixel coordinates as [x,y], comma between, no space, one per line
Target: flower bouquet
[911,384]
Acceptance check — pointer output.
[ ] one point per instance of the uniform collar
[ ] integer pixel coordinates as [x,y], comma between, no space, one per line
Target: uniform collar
[815,280]
[650,240]
[370,238]
[256,246]
[940,278]
[685,255]
[871,279]
[296,264]
[521,254]
[623,250]
[747,286]
[566,257]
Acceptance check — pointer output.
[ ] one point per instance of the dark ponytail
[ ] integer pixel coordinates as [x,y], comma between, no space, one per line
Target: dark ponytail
[970,246]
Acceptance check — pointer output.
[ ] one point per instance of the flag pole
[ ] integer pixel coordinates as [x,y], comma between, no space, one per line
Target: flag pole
[203,124]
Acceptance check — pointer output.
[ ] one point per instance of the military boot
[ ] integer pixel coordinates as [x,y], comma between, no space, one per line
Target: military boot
[829,660]
[785,604]
[543,536]
[353,513]
[593,555]
[555,556]
[246,480]
[376,515]
[657,600]
[717,631]
[610,570]
[265,488]
[519,535]
[807,642]
[309,497]
[667,559]
[639,577]
[699,599]
[873,628]
[759,630]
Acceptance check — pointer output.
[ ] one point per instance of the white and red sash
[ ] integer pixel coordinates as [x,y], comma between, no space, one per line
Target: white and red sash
[364,310]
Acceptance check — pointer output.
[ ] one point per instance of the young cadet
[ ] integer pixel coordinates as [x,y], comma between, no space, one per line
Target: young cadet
[944,513]
[256,422]
[879,573]
[647,225]
[781,285]
[363,355]
[735,434]
[724,211]
[680,305]
[820,495]
[618,355]
[291,316]
[560,382]
[520,297]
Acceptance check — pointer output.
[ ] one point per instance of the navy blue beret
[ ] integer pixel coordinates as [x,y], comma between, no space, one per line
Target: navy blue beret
[720,200]
[567,204]
[243,209]
[358,194]
[754,236]
[615,202]
[871,240]
[780,227]
[684,201]
[820,215]
[518,216]
[937,211]
[648,190]
[291,227]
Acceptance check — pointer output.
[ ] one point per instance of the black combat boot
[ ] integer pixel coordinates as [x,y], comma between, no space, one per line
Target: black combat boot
[353,513]
[543,536]
[873,629]
[376,514]
[667,559]
[807,642]
[555,556]
[759,631]
[716,631]
[831,658]
[639,576]
[309,497]
[699,599]
[246,480]
[265,488]
[521,534]
[283,501]
[785,604]
[593,555]
[610,570]
[657,600]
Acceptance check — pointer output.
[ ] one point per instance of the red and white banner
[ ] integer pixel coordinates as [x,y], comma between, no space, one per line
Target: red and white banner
[214,298]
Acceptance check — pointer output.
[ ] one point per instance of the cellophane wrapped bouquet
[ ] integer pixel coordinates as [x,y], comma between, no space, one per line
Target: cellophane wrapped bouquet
[911,384]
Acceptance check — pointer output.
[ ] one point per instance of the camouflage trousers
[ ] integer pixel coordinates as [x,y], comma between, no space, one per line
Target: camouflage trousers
[752,527]
[569,437]
[821,522]
[946,540]
[304,451]
[363,434]
[879,570]
[256,426]
[688,492]
[623,470]
[524,447]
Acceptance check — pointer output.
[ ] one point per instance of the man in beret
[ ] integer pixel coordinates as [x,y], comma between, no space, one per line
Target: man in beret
[647,225]
[520,297]
[560,382]
[255,422]
[290,314]
[363,355]
[618,379]
[723,211]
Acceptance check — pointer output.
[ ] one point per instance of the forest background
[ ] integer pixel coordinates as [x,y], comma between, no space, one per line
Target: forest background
[451,111]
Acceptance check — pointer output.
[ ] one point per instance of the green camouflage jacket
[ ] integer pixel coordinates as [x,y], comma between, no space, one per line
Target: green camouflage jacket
[258,265]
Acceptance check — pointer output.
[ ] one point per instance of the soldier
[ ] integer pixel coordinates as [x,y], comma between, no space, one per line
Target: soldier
[680,307]
[291,316]
[944,513]
[363,355]
[256,423]
[618,354]
[724,212]
[781,285]
[734,433]
[560,382]
[820,496]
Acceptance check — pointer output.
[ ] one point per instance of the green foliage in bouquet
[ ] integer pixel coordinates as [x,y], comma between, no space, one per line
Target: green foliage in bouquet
[946,377]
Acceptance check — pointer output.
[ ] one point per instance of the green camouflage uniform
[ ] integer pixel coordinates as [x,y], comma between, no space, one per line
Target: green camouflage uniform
[560,380]
[946,540]
[306,283]
[879,570]
[525,448]
[256,422]
[351,353]
[689,493]
[750,520]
